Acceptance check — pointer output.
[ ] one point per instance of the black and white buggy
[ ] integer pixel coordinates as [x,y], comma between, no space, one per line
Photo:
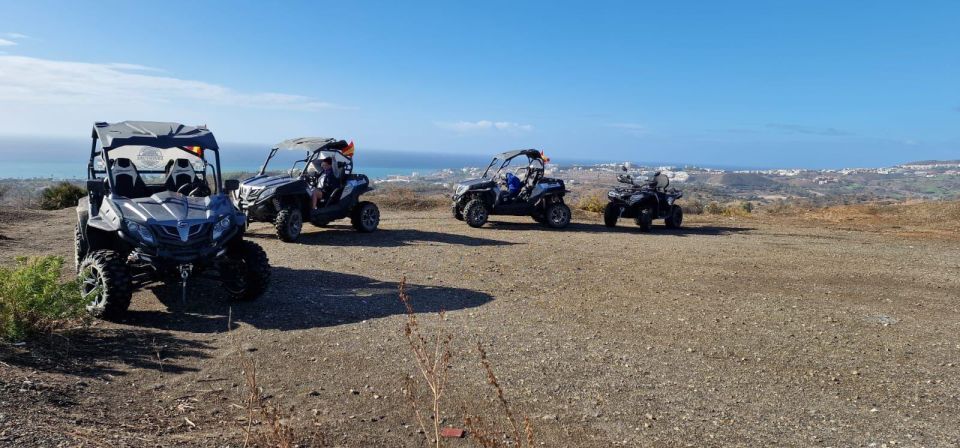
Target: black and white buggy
[285,198]
[644,201]
[157,210]
[538,196]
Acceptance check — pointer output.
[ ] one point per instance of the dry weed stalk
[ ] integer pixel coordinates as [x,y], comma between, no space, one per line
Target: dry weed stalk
[489,436]
[432,355]
[278,432]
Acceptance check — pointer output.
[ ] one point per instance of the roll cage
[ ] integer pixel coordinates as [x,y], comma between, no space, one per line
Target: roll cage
[316,149]
[195,141]
[534,167]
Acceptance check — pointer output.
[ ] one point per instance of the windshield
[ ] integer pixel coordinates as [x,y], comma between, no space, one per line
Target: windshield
[283,161]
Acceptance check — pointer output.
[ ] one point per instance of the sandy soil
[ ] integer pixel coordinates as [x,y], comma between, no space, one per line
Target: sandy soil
[730,332]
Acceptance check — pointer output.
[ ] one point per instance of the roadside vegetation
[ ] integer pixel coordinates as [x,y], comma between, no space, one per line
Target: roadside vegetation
[34,300]
[408,198]
[60,196]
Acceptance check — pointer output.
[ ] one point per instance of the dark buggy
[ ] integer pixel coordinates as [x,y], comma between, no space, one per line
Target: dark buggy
[157,210]
[285,198]
[538,196]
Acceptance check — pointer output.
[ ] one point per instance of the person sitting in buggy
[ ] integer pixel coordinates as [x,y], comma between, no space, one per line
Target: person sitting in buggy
[513,185]
[326,182]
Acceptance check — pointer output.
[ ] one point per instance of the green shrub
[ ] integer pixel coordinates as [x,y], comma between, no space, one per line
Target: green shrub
[594,201]
[62,195]
[713,208]
[694,207]
[33,299]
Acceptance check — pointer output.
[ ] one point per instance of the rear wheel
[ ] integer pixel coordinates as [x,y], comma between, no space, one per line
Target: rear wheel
[610,214]
[558,215]
[365,217]
[105,284]
[246,273]
[645,219]
[289,224]
[475,213]
[675,219]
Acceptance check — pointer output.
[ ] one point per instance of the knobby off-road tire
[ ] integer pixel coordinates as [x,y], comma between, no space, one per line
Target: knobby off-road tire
[557,215]
[645,220]
[675,219]
[365,217]
[289,224]
[80,247]
[475,213]
[106,283]
[457,213]
[610,214]
[249,272]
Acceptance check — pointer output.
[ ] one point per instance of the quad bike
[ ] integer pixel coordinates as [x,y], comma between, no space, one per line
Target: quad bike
[644,201]
[286,199]
[157,210]
[538,197]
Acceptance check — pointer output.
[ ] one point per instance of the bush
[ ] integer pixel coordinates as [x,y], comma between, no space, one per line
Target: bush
[60,196]
[594,201]
[713,208]
[34,300]
[693,207]
[743,208]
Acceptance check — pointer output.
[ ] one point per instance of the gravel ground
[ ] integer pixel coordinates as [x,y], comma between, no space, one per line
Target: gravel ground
[730,332]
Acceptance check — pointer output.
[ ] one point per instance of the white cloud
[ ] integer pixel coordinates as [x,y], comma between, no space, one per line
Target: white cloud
[7,43]
[15,36]
[484,125]
[43,81]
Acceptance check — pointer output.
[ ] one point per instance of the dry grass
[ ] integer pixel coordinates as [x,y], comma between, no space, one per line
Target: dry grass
[922,218]
[403,198]
[593,201]
[489,435]
[432,356]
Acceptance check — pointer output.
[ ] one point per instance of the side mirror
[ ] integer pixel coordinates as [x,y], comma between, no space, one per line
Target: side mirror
[231,185]
[95,191]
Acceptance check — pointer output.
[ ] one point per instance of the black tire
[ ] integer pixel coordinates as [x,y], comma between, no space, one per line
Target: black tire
[105,280]
[457,213]
[610,214]
[365,217]
[247,273]
[557,215]
[289,224]
[645,219]
[80,248]
[475,213]
[675,219]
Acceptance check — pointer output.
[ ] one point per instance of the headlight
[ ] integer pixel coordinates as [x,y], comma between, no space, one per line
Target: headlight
[140,231]
[221,227]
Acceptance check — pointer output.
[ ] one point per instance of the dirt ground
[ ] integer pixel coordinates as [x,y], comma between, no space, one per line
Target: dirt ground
[730,332]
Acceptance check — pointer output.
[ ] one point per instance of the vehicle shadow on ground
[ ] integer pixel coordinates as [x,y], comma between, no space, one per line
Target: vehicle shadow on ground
[629,228]
[96,352]
[298,299]
[340,235]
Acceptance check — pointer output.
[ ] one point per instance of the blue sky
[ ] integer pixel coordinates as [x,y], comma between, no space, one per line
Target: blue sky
[805,83]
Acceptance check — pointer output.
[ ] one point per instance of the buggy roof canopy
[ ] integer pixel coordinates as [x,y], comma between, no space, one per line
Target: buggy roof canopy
[152,133]
[313,144]
[532,153]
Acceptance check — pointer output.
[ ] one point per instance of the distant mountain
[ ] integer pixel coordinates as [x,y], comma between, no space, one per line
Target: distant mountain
[933,162]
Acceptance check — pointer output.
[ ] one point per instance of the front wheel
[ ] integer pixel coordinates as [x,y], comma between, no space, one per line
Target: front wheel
[475,213]
[289,224]
[365,217]
[558,215]
[105,284]
[457,213]
[645,219]
[675,219]
[245,274]
[610,214]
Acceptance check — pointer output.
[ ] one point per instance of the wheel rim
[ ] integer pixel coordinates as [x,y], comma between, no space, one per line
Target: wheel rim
[479,214]
[370,217]
[296,223]
[91,287]
[558,215]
